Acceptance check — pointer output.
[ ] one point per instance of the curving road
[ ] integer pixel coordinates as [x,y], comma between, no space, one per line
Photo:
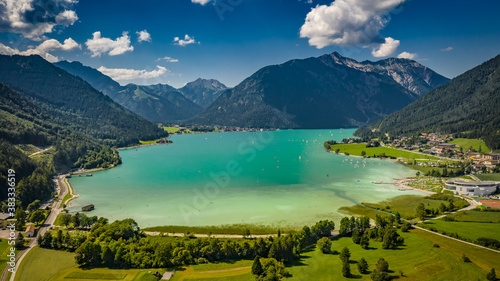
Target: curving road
[56,209]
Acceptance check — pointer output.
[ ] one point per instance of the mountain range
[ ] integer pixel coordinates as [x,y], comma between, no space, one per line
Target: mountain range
[43,105]
[157,103]
[468,106]
[73,102]
[330,91]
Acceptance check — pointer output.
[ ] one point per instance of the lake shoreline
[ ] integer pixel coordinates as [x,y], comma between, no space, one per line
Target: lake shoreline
[176,207]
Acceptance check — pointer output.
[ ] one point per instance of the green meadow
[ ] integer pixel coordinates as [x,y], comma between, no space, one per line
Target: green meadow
[424,256]
[406,205]
[465,144]
[468,230]
[357,148]
[489,177]
[418,259]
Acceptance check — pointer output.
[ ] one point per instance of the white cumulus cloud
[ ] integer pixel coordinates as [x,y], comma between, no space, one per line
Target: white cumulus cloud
[43,49]
[168,59]
[129,74]
[186,41]
[143,36]
[201,2]
[33,18]
[100,45]
[349,23]
[386,49]
[447,49]
[406,55]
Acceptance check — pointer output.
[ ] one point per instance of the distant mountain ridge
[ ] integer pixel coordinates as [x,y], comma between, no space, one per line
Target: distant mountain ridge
[326,92]
[467,106]
[73,102]
[157,103]
[203,91]
[408,73]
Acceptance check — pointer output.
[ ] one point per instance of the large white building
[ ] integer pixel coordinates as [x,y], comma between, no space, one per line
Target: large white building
[471,188]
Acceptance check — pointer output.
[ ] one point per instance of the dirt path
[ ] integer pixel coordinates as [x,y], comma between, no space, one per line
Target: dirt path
[156,233]
[41,151]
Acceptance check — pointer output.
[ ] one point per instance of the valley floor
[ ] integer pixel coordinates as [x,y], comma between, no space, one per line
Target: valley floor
[424,256]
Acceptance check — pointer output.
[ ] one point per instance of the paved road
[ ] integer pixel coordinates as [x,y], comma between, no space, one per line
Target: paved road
[56,209]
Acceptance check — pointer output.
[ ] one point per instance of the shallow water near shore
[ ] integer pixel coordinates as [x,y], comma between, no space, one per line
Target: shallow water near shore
[281,178]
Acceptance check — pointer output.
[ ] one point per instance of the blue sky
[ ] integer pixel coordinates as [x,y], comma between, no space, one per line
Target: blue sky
[229,40]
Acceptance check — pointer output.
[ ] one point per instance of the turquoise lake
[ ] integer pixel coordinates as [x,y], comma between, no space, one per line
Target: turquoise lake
[281,178]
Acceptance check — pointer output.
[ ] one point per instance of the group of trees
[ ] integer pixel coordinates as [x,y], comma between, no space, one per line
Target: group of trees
[121,244]
[361,233]
[81,220]
[105,157]
[380,273]
[61,240]
[423,212]
[33,180]
[264,269]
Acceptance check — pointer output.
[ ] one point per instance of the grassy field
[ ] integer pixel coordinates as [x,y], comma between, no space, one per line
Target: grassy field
[95,276]
[244,277]
[239,270]
[171,130]
[468,230]
[423,169]
[236,229]
[28,149]
[485,259]
[51,265]
[4,251]
[475,216]
[359,210]
[145,276]
[222,265]
[489,177]
[44,264]
[406,205]
[467,143]
[417,259]
[356,148]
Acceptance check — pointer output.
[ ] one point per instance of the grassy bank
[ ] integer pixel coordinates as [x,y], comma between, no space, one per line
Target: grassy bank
[235,229]
[406,205]
[357,148]
[171,130]
[465,144]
